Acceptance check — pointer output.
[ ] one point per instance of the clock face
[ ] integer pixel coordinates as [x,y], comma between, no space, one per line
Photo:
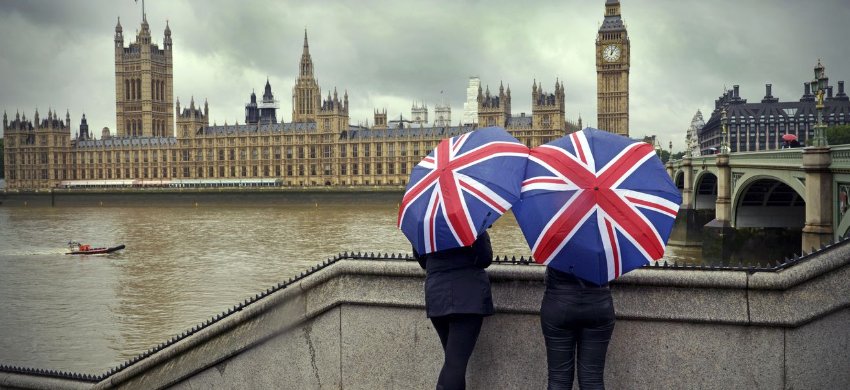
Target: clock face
[611,53]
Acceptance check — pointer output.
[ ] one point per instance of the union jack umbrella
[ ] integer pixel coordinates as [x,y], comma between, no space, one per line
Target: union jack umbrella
[596,205]
[461,188]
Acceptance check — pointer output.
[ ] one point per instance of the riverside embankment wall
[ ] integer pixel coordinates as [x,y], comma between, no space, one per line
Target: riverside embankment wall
[360,324]
[189,197]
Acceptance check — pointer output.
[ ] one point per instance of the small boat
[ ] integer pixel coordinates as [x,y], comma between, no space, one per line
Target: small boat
[85,249]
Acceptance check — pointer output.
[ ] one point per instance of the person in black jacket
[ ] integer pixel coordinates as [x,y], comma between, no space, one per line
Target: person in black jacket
[577,318]
[457,298]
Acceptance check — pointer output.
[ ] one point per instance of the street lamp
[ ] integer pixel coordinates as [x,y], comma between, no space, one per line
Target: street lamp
[819,85]
[724,140]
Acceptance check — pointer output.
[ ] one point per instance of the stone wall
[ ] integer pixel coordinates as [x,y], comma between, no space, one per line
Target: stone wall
[360,324]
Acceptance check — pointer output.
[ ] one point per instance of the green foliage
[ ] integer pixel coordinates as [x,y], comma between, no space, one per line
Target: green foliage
[838,135]
[677,156]
[665,156]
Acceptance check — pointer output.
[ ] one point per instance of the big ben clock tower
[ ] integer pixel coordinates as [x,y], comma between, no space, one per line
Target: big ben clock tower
[612,72]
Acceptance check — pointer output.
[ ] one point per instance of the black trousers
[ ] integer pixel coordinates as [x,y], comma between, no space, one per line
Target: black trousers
[458,334]
[577,325]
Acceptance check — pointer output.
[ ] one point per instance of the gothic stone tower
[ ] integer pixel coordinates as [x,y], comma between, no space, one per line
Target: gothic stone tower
[191,120]
[494,110]
[612,72]
[36,152]
[144,103]
[306,95]
[547,111]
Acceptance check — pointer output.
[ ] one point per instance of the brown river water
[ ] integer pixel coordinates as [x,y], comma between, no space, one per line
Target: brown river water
[184,262]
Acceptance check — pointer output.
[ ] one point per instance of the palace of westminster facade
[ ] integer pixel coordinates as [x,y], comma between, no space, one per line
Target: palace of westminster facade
[319,147]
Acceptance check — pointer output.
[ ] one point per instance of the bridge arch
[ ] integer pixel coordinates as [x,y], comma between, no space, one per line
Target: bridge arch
[705,191]
[766,201]
[679,179]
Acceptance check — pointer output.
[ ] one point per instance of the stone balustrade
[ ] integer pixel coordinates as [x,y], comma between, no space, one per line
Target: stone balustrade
[360,324]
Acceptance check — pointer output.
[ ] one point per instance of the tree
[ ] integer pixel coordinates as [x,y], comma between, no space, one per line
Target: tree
[838,135]
[677,156]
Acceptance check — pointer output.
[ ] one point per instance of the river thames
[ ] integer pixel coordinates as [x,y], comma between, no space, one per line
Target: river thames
[184,263]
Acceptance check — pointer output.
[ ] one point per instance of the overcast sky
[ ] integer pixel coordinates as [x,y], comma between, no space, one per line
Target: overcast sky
[388,54]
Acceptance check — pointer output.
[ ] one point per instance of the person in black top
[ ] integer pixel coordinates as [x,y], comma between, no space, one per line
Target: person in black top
[577,318]
[457,298]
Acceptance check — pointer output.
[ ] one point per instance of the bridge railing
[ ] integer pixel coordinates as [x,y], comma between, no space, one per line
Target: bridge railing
[784,158]
[840,156]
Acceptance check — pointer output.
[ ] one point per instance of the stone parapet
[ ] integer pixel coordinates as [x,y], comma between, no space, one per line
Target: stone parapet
[357,324]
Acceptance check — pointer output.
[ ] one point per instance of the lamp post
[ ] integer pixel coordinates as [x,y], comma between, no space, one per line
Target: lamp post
[819,85]
[724,137]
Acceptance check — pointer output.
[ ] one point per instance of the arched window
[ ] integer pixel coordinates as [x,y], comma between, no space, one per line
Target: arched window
[138,89]
[127,89]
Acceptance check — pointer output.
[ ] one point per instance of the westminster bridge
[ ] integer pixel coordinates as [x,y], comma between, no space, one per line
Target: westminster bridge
[799,188]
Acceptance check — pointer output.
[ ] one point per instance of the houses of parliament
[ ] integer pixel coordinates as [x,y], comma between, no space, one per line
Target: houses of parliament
[319,147]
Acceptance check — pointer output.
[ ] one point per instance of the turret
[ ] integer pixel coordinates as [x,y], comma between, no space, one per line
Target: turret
[67,119]
[119,36]
[306,61]
[177,105]
[144,36]
[84,129]
[206,108]
[167,41]
[5,120]
[267,93]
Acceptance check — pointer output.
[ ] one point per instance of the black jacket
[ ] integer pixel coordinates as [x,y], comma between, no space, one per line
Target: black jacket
[456,282]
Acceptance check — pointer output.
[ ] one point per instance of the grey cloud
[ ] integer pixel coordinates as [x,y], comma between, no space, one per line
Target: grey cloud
[388,54]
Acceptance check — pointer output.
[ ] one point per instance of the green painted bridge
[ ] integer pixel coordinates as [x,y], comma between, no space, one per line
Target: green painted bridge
[791,188]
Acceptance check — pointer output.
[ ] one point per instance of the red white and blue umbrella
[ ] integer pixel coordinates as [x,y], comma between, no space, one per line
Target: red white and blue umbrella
[461,188]
[596,205]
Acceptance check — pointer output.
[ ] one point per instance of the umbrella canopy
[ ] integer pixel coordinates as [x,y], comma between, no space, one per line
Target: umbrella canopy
[596,204]
[461,188]
[788,137]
